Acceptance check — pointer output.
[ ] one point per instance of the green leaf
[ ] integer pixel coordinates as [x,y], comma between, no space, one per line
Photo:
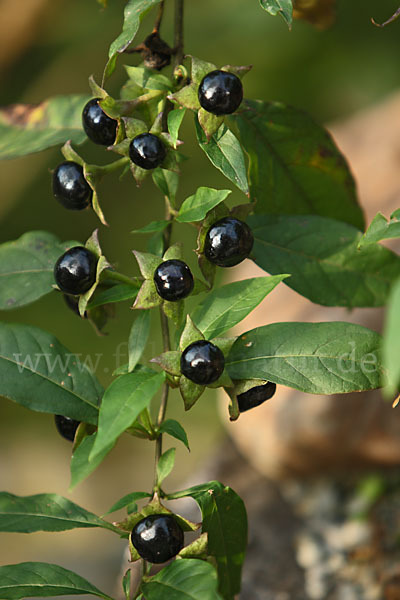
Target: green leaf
[126,500]
[226,154]
[148,263]
[148,79]
[155,244]
[122,403]
[134,12]
[190,391]
[116,293]
[391,341]
[167,182]
[176,430]
[174,120]
[225,522]
[209,122]
[195,207]
[153,227]
[224,307]
[80,465]
[186,579]
[126,584]
[165,465]
[200,68]
[44,512]
[27,128]
[190,334]
[323,259]
[138,337]
[294,165]
[147,296]
[169,361]
[32,579]
[316,358]
[38,372]
[187,97]
[282,7]
[27,267]
[381,229]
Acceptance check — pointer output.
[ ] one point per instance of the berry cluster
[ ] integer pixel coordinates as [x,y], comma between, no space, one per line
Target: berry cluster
[227,242]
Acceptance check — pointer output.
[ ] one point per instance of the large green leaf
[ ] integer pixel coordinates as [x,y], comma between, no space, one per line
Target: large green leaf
[44,512]
[323,259]
[224,307]
[391,340]
[32,579]
[186,579]
[80,465]
[134,12]
[28,128]
[26,267]
[225,522]
[122,403]
[316,358]
[282,7]
[295,167]
[38,372]
[197,206]
[226,154]
[138,337]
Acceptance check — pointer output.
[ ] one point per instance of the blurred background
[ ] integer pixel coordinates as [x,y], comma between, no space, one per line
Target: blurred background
[51,47]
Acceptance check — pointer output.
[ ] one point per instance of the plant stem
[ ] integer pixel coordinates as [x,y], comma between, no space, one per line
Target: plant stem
[133,281]
[178,41]
[166,346]
[114,166]
[159,17]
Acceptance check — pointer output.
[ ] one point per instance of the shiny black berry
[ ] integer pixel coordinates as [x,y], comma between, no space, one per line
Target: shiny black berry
[202,362]
[220,92]
[228,242]
[256,396]
[75,270]
[147,151]
[70,186]
[98,126]
[66,427]
[157,538]
[173,280]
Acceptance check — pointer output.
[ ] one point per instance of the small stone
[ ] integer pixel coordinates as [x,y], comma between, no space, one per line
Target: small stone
[310,550]
[347,536]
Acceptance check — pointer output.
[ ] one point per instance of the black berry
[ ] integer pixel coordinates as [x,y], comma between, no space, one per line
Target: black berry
[70,186]
[157,538]
[75,270]
[173,280]
[147,151]
[98,126]
[66,427]
[228,242]
[220,92]
[256,396]
[202,362]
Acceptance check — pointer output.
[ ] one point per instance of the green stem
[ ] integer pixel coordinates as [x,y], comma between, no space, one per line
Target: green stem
[115,166]
[178,41]
[114,275]
[166,346]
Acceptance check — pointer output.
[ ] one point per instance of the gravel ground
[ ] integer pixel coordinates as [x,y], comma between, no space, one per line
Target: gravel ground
[316,539]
